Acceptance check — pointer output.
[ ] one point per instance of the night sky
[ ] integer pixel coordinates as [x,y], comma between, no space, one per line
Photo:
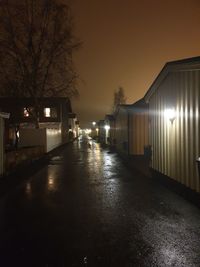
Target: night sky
[126,43]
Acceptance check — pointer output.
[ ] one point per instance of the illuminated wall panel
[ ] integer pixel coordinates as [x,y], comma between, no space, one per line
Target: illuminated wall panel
[175,144]
[131,128]
[138,132]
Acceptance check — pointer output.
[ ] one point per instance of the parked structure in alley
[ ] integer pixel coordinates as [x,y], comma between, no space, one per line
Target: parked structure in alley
[131,128]
[174,108]
[121,129]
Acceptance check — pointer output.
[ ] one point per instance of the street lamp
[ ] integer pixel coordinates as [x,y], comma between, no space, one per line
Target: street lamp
[170,114]
[94,123]
[107,127]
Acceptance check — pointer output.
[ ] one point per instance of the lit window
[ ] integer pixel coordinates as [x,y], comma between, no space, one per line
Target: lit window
[50,112]
[47,112]
[28,112]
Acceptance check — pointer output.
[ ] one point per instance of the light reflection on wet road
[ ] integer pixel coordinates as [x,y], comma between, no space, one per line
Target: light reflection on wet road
[86,209]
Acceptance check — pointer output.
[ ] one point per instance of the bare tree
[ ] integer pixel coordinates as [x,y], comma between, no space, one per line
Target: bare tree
[36,46]
[119,98]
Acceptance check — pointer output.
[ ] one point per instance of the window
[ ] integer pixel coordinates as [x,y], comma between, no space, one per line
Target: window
[47,112]
[50,112]
[28,112]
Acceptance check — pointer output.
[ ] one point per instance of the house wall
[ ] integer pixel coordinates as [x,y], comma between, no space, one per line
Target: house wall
[138,132]
[112,132]
[176,146]
[48,138]
[54,139]
[65,122]
[16,109]
[121,134]
[32,137]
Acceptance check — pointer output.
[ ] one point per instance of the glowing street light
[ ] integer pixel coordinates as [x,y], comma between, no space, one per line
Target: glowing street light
[94,123]
[170,114]
[107,127]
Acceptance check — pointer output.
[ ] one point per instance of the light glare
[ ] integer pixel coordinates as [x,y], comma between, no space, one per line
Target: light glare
[107,127]
[170,114]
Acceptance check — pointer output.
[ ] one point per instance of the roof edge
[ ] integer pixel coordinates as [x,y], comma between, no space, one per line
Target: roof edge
[182,64]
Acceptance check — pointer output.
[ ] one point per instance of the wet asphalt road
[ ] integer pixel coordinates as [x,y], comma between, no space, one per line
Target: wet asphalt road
[85,208]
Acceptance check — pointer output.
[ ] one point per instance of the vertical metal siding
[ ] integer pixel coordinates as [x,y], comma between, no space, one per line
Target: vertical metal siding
[121,130]
[176,146]
[138,129]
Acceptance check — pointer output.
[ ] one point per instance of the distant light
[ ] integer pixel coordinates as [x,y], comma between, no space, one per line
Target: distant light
[88,131]
[26,113]
[47,112]
[107,127]
[170,114]
[94,123]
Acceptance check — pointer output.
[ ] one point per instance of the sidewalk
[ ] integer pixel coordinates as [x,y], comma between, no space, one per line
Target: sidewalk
[142,165]
[26,169]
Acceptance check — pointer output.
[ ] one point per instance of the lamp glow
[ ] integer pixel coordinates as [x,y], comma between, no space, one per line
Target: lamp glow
[107,127]
[47,112]
[170,114]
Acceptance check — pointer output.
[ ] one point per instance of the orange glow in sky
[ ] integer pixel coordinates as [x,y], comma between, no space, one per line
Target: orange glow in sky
[126,43]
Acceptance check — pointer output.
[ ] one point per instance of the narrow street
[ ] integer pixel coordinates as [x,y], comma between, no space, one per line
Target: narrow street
[85,208]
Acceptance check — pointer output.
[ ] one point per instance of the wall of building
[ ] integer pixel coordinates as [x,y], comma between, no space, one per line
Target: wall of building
[112,133]
[121,134]
[32,137]
[176,145]
[1,145]
[54,139]
[138,132]
[48,138]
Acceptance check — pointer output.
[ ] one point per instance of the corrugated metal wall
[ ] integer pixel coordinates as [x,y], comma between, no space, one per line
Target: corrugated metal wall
[138,135]
[132,131]
[176,146]
[121,128]
[1,145]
